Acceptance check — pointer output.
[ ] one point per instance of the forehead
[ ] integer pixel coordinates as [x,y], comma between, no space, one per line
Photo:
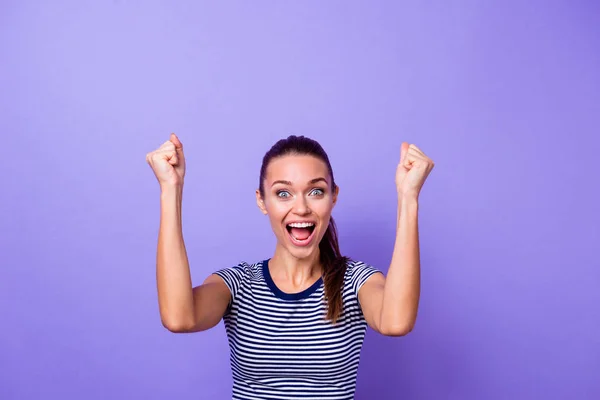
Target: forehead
[296,169]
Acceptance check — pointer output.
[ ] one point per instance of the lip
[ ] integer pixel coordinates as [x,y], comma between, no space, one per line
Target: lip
[301,243]
[299,221]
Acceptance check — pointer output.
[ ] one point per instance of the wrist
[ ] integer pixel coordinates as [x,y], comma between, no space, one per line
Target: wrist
[169,191]
[408,203]
[408,206]
[409,197]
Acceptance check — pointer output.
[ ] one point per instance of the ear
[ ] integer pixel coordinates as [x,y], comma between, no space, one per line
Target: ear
[336,191]
[260,202]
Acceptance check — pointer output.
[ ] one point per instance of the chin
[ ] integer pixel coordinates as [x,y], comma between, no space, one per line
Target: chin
[302,254]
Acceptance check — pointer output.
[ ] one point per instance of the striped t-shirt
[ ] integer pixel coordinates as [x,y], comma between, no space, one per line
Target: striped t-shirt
[281,346]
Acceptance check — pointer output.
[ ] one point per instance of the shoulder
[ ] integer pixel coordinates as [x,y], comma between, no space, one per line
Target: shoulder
[356,269]
[240,274]
[242,270]
[357,274]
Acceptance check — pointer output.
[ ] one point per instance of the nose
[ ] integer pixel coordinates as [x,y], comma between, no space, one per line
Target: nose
[301,206]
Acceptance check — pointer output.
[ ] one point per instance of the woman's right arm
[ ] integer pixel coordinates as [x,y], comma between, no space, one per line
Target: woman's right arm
[183,308]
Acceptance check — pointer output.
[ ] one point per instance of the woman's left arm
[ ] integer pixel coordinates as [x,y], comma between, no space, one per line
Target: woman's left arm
[390,303]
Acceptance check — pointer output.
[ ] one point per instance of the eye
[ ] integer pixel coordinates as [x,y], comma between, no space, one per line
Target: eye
[317,192]
[283,193]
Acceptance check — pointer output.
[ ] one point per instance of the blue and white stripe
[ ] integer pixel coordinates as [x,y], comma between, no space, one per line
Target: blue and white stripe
[280,344]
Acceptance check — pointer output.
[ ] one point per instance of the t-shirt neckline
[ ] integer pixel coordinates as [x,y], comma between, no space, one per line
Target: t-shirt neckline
[287,296]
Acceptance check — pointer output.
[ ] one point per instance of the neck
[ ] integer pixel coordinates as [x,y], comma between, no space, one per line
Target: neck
[299,271]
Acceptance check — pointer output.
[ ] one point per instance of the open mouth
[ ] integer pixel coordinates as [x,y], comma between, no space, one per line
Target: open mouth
[301,233]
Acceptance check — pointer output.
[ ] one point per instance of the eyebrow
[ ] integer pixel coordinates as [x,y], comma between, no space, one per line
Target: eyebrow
[311,182]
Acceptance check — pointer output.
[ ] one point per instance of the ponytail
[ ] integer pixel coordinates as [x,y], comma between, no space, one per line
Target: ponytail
[334,269]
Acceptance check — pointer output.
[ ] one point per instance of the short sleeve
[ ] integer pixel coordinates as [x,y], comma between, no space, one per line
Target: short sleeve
[359,273]
[234,278]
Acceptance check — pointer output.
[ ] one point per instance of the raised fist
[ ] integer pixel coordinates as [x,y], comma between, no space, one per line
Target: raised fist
[168,162]
[413,169]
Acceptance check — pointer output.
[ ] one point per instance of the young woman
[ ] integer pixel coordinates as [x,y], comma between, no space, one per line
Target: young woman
[296,321]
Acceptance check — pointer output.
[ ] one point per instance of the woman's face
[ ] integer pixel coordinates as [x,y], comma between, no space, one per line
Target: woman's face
[298,200]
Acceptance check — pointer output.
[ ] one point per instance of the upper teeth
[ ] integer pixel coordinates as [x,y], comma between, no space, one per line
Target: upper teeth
[301,224]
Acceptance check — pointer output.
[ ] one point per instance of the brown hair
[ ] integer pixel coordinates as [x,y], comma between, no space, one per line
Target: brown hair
[334,264]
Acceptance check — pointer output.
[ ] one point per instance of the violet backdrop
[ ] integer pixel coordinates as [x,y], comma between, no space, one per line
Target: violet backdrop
[503,96]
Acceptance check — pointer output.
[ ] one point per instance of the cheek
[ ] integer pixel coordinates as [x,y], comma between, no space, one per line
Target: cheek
[322,207]
[276,211]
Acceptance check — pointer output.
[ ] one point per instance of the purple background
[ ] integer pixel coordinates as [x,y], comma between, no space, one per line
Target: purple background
[503,97]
